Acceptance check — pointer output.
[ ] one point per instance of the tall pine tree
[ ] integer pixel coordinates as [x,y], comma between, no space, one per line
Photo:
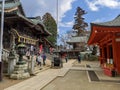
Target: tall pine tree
[51,26]
[79,24]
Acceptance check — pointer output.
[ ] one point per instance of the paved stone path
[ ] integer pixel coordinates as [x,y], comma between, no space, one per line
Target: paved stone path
[44,78]
[41,79]
[85,68]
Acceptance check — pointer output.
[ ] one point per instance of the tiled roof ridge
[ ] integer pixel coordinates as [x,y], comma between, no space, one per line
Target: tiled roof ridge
[114,22]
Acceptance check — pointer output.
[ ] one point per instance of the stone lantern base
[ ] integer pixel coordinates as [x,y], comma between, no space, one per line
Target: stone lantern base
[20,72]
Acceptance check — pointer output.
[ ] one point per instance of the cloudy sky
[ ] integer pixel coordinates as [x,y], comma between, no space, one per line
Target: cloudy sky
[64,10]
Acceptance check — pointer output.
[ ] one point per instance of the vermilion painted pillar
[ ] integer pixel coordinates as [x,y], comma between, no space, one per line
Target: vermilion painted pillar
[108,56]
[100,58]
[114,51]
[102,54]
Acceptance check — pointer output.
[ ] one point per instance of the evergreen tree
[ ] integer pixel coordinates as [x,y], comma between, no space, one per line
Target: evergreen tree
[51,26]
[79,24]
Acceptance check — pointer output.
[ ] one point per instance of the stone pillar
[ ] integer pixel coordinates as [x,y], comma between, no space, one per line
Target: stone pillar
[32,65]
[11,60]
[29,65]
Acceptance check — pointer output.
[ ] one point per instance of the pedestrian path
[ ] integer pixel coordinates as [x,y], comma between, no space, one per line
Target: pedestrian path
[38,69]
[41,79]
[85,68]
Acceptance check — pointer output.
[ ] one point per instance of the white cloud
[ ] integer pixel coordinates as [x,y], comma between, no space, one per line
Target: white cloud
[98,20]
[66,24]
[46,6]
[57,10]
[94,5]
[63,7]
[40,7]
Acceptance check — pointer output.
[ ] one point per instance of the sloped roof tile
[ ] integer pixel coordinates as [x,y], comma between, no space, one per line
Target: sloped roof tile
[114,22]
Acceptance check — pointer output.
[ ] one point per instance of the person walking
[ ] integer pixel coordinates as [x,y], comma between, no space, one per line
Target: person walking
[44,58]
[28,54]
[38,60]
[66,59]
[79,58]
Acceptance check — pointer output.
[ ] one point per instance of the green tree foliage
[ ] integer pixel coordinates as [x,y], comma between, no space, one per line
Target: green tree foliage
[51,26]
[79,24]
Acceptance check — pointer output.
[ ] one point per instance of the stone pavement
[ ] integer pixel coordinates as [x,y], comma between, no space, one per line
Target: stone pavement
[41,79]
[95,66]
[37,68]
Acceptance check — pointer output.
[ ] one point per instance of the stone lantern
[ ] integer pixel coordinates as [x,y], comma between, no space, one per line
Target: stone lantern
[21,51]
[20,69]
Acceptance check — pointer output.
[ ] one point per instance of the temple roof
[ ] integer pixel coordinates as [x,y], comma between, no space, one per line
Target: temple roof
[77,39]
[48,42]
[12,6]
[37,21]
[114,22]
[102,31]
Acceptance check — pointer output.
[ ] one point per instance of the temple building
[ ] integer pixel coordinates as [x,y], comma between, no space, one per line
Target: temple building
[107,36]
[21,29]
[79,44]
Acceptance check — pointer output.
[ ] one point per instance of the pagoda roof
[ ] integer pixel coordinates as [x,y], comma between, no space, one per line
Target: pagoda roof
[78,39]
[114,22]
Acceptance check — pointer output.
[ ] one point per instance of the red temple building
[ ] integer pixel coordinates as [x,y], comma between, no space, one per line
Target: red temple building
[107,36]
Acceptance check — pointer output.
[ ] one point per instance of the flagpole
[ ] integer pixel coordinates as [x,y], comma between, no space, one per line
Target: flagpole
[57,14]
[1,38]
[57,24]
